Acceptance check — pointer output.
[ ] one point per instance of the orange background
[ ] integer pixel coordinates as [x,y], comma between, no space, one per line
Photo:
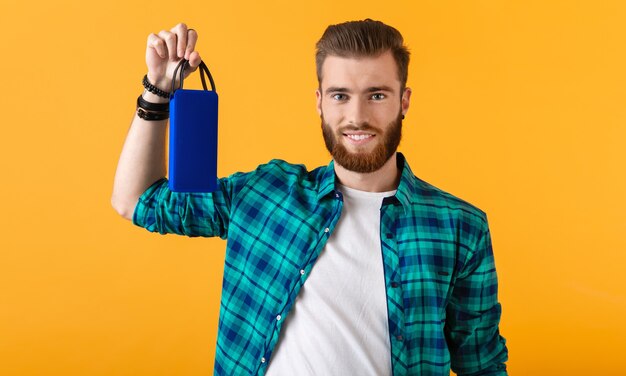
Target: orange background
[517,107]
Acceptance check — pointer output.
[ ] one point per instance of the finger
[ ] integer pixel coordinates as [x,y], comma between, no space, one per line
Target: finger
[192,38]
[158,45]
[181,36]
[170,42]
[194,60]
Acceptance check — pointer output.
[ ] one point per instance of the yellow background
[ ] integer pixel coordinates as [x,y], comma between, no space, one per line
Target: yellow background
[517,107]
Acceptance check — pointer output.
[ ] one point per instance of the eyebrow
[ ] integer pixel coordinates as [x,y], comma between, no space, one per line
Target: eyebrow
[337,89]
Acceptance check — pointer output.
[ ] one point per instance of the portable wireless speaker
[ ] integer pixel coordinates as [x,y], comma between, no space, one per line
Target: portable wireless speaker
[193,136]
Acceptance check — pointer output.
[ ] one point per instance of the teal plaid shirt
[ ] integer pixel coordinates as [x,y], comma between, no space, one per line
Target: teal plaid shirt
[436,250]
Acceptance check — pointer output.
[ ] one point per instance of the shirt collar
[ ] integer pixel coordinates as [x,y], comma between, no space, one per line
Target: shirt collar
[404,194]
[408,183]
[327,182]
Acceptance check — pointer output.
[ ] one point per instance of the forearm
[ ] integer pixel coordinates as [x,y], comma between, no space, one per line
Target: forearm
[142,161]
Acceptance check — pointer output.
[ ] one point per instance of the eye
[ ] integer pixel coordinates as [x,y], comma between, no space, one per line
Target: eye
[378,96]
[339,97]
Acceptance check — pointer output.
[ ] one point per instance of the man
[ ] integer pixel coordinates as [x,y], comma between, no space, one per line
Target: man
[356,268]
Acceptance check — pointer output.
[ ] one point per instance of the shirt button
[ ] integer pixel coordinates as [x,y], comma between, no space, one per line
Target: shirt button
[278,317]
[263,360]
[399,338]
[302,271]
[394,284]
[326,229]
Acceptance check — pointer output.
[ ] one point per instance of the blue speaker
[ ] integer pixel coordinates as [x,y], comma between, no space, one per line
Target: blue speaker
[193,136]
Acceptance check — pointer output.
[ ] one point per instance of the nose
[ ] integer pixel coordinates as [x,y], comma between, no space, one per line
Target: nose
[358,113]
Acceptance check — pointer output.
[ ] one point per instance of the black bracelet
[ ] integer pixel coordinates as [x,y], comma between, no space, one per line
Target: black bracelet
[152,116]
[153,89]
[149,106]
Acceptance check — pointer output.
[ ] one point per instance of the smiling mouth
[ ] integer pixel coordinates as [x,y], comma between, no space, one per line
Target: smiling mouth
[358,137]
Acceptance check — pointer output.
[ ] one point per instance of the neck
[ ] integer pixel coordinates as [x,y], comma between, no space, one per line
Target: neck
[384,179]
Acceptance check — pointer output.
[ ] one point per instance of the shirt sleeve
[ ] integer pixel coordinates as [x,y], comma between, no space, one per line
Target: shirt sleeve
[192,214]
[473,316]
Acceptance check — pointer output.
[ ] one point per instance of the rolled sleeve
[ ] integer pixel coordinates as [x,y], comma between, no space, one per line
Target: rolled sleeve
[473,316]
[191,214]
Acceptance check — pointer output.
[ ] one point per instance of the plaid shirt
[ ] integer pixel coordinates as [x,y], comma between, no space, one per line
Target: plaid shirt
[439,269]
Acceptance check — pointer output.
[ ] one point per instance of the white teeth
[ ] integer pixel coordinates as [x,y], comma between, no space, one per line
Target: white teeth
[358,137]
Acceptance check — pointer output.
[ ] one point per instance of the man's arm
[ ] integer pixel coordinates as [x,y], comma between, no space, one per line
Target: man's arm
[473,316]
[142,161]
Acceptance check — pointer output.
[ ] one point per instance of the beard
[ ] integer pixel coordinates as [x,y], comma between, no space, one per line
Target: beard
[363,161]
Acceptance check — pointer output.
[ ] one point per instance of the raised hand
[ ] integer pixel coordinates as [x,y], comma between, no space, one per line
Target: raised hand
[166,49]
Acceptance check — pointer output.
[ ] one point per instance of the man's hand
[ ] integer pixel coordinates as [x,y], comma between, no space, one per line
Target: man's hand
[164,52]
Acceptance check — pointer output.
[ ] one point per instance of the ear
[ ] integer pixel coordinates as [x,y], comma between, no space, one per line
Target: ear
[318,96]
[405,101]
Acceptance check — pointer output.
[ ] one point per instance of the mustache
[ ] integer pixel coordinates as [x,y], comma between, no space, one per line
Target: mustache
[356,128]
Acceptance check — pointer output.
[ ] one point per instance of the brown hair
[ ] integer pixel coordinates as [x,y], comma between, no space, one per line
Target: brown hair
[361,39]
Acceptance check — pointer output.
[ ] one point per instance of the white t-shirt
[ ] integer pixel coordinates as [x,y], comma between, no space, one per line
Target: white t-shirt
[338,324]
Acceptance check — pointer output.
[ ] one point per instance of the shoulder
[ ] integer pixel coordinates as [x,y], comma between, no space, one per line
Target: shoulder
[425,198]
[282,167]
[429,194]
[449,209]
[464,221]
[289,171]
[279,173]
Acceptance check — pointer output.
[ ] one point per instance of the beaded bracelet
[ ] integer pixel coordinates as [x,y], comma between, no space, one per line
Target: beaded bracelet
[153,89]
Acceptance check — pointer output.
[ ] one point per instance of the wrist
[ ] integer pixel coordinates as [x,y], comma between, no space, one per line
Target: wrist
[156,88]
[162,83]
[151,97]
[152,111]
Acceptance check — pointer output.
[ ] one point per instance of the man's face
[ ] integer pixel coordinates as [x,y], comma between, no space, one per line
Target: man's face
[361,110]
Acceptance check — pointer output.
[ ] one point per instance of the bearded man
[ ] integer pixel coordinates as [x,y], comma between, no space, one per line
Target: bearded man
[355,268]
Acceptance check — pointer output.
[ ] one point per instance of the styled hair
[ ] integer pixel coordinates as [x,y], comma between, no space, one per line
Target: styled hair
[366,38]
